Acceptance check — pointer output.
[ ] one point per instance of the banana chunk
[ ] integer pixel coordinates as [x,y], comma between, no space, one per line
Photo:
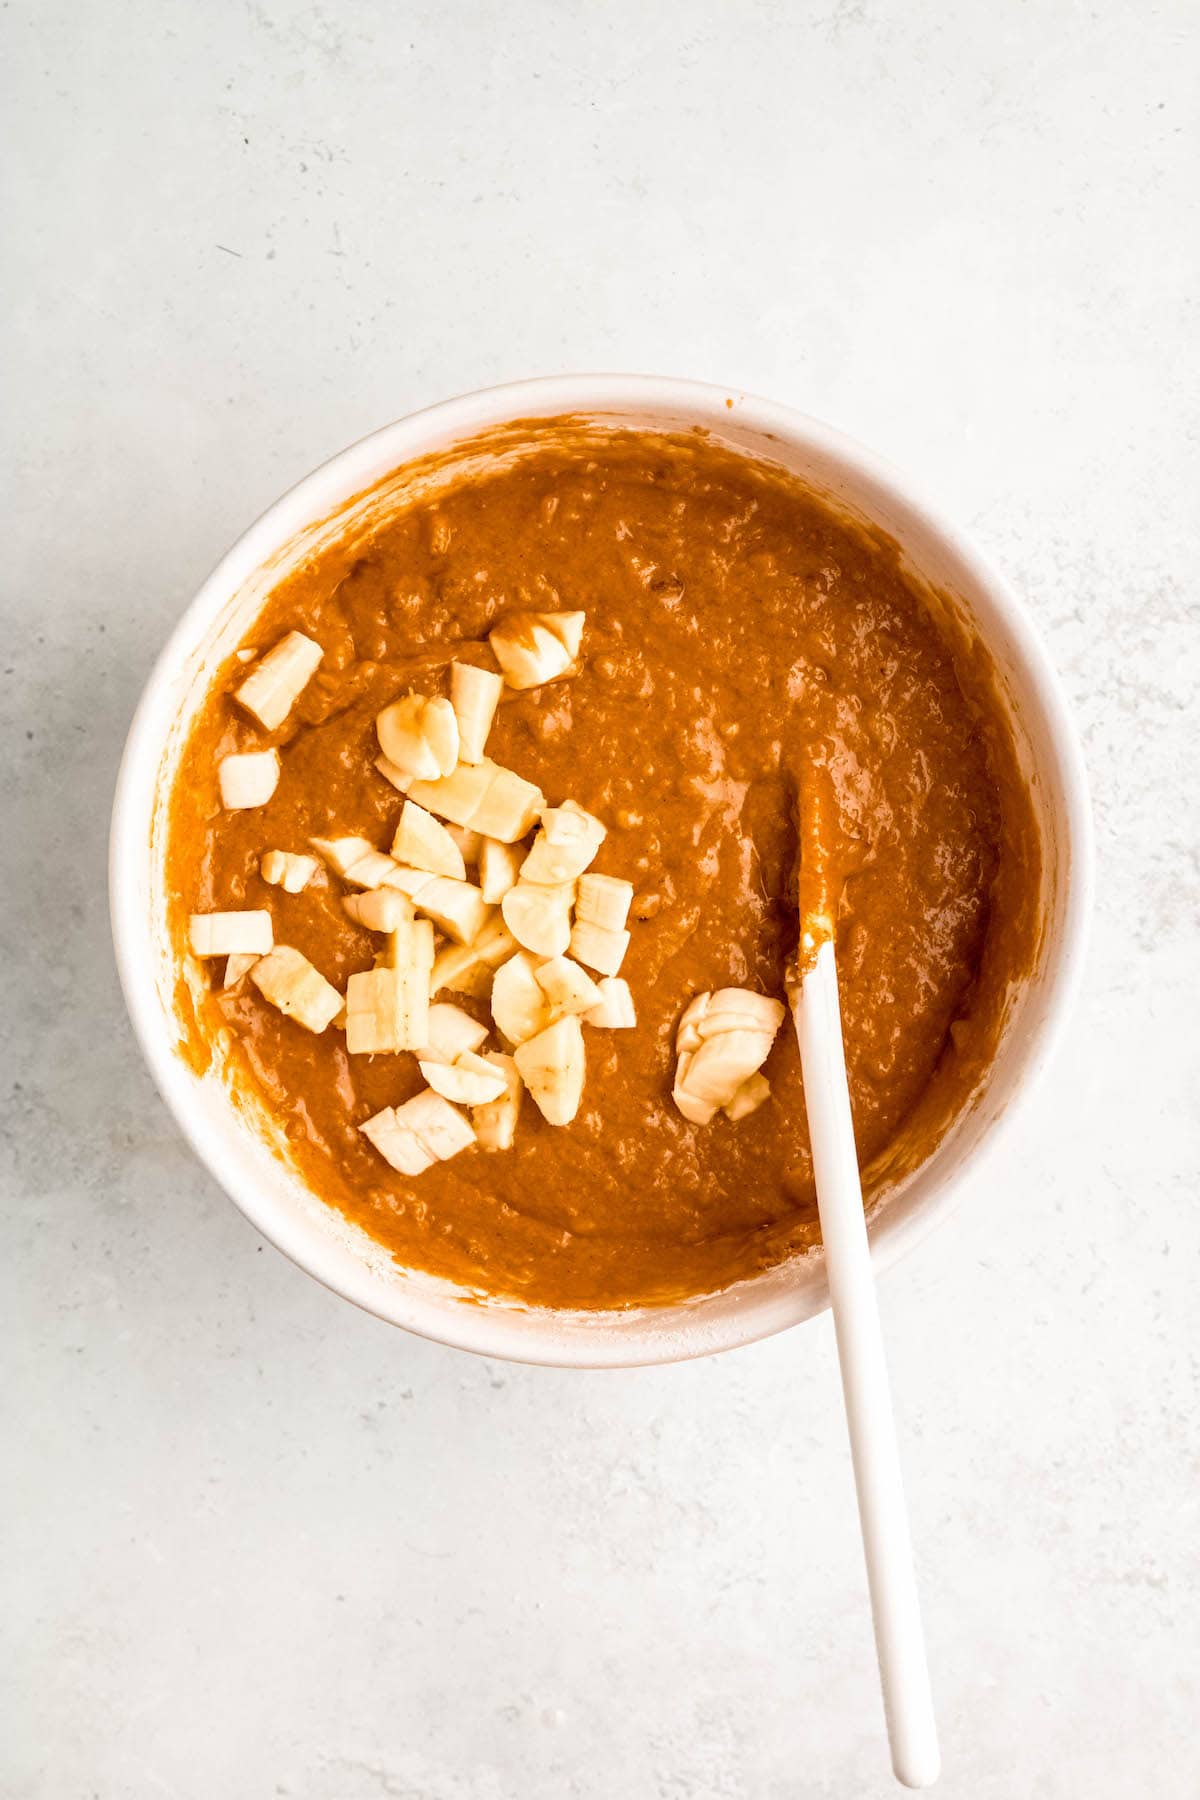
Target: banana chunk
[248,778]
[615,1010]
[468,969]
[474,695]
[495,1121]
[379,909]
[357,860]
[456,907]
[539,917]
[274,685]
[519,1006]
[399,778]
[247,933]
[707,1015]
[722,1041]
[499,866]
[236,968]
[567,987]
[533,647]
[425,1130]
[749,1097]
[288,980]
[376,1013]
[552,1066]
[438,1127]
[509,807]
[420,736]
[604,900]
[469,843]
[387,1008]
[342,853]
[396,1143]
[423,842]
[470,1081]
[280,868]
[565,845]
[601,950]
[483,797]
[452,1033]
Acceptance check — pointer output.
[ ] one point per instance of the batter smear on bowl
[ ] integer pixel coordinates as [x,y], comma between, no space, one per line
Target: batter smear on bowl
[482,863]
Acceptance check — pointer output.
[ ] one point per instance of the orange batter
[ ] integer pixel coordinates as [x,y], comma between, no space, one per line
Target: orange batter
[740,637]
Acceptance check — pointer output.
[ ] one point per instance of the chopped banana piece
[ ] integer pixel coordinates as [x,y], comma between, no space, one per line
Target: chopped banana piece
[342,853]
[519,1006]
[237,968]
[420,736]
[484,797]
[437,1126]
[723,1039]
[717,1070]
[509,807]
[458,796]
[533,647]
[357,860]
[687,1032]
[247,933]
[707,1015]
[499,866]
[739,1008]
[601,950]
[539,917]
[379,909]
[387,1008]
[496,1121]
[468,842]
[460,971]
[470,1081]
[248,778]
[567,987]
[552,1066]
[410,948]
[616,1011]
[452,1033]
[408,881]
[748,1098]
[423,842]
[396,1143]
[399,778]
[697,1112]
[565,846]
[274,685]
[604,900]
[456,907]
[288,980]
[292,873]
[376,1019]
[468,969]
[474,695]
[374,870]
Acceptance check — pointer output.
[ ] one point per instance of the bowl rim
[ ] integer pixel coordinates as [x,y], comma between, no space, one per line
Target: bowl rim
[561,1339]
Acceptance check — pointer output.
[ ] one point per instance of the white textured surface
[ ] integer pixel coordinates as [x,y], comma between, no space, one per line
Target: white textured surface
[261,1545]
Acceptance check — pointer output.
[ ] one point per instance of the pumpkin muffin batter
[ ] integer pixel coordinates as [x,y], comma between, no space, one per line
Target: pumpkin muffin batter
[742,643]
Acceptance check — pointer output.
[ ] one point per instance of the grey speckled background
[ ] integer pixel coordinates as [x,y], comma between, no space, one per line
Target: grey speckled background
[257,1544]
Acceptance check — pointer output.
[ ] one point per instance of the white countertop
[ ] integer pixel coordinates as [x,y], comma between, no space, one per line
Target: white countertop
[263,1545]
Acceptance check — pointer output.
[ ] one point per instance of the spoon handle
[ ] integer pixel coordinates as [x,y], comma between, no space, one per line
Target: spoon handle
[899,1639]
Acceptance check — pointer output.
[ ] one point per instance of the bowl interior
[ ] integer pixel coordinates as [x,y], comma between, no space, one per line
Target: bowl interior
[326,505]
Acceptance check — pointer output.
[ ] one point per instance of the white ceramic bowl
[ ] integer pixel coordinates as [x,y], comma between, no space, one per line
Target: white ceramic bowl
[317,1237]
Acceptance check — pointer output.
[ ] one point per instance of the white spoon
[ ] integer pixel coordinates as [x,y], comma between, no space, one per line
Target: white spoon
[899,1640]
